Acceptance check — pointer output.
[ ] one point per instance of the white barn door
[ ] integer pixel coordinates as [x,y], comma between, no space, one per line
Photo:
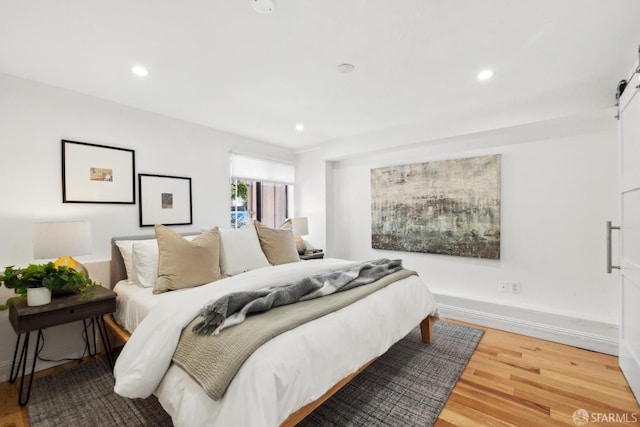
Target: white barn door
[629,187]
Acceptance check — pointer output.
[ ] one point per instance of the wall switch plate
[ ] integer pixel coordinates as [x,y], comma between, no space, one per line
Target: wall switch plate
[509,287]
[503,287]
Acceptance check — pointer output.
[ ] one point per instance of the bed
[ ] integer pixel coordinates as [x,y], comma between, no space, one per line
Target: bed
[287,377]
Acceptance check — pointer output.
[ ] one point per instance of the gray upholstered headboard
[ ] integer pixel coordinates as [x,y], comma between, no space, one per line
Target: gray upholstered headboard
[118,271]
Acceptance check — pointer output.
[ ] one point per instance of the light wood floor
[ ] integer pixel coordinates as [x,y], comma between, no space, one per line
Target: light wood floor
[13,415]
[511,380]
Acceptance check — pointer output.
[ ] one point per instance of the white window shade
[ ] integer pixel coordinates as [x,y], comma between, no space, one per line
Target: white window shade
[255,169]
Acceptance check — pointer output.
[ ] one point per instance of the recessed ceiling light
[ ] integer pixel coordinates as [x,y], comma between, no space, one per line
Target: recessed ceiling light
[299,127]
[346,68]
[485,74]
[139,70]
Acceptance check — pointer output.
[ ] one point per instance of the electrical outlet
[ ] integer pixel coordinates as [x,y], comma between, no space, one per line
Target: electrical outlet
[516,287]
[503,287]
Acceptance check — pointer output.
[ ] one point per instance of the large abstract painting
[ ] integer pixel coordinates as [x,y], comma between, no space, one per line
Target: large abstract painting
[449,207]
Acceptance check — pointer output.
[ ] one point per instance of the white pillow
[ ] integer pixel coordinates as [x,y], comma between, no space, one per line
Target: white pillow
[126,250]
[145,262]
[240,250]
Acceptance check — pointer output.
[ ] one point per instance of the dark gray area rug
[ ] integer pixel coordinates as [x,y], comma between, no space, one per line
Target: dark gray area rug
[83,396]
[407,386]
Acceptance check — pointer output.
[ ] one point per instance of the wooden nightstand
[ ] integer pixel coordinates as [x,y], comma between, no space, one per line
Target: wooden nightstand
[312,254]
[25,319]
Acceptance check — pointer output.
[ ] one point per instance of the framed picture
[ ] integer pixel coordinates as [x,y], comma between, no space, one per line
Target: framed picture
[447,207]
[94,173]
[164,200]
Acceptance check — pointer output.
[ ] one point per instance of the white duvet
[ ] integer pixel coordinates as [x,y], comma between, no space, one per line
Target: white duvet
[287,372]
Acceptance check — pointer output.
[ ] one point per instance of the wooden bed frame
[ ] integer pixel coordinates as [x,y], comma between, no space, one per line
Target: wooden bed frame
[118,334]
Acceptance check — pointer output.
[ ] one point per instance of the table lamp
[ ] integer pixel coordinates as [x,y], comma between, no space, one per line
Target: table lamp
[299,227]
[62,239]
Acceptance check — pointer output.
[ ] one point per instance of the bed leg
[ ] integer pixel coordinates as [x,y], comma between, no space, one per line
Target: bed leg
[426,329]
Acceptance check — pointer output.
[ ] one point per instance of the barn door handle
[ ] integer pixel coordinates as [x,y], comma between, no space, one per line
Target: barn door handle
[609,261]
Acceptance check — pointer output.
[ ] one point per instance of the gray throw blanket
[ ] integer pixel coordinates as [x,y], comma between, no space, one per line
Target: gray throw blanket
[214,360]
[233,308]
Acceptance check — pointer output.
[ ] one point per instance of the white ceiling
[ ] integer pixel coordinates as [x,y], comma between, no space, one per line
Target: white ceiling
[223,65]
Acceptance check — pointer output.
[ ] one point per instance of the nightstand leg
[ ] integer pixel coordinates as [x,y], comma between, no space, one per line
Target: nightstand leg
[93,336]
[104,335]
[23,398]
[14,374]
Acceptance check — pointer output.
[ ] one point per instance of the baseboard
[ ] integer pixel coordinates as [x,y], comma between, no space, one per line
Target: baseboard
[5,367]
[582,333]
[55,349]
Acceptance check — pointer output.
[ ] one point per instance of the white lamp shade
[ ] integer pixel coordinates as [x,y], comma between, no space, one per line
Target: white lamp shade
[300,226]
[63,238]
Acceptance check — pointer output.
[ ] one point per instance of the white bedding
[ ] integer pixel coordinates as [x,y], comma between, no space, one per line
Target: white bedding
[133,304]
[284,374]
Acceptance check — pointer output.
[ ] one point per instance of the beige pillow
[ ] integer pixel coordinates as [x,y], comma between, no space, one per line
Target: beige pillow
[186,264]
[278,245]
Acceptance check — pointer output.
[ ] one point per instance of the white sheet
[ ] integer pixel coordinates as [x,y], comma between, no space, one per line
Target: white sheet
[134,302]
[284,374]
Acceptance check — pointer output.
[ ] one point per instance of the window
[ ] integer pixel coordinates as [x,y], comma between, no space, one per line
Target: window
[266,202]
[261,190]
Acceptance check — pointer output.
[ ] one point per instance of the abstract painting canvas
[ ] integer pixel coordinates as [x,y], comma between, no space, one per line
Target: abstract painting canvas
[449,207]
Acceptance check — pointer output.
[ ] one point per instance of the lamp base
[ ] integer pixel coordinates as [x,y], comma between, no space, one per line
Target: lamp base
[67,261]
[300,245]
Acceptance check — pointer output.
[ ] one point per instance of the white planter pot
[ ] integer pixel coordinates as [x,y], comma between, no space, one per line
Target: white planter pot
[38,296]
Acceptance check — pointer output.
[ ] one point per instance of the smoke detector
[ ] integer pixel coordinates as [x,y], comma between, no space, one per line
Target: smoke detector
[263,6]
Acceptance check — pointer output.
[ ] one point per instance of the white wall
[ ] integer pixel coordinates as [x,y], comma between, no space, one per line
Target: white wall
[311,197]
[33,120]
[559,185]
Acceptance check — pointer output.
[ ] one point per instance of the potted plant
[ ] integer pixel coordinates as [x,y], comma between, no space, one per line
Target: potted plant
[43,278]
